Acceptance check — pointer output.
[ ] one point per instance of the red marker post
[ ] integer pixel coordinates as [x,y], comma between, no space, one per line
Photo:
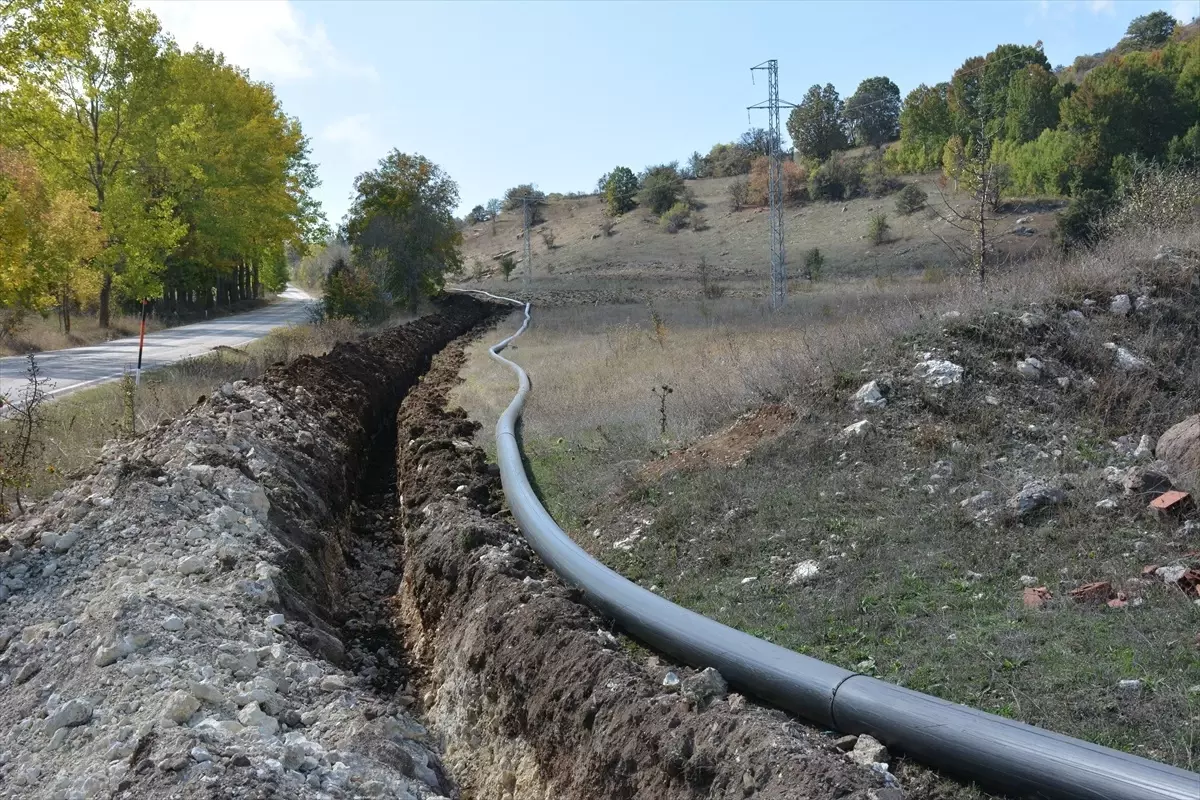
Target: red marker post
[137,378]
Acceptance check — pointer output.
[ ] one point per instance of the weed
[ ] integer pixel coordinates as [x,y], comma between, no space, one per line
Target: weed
[507,265]
[814,262]
[21,443]
[661,393]
[879,228]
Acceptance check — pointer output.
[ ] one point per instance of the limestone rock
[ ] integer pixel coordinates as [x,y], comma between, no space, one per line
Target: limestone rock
[1179,449]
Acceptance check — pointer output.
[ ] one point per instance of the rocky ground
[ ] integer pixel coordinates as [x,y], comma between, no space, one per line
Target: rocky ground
[178,623]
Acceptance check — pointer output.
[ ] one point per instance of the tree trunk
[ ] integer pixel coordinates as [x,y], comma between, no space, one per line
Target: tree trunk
[257,285]
[66,312]
[105,297]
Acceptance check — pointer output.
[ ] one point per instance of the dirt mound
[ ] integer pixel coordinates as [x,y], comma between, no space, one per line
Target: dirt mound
[536,697]
[729,447]
[178,624]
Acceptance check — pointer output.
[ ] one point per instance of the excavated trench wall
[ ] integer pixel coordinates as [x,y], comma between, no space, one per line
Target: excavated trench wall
[534,695]
[142,649]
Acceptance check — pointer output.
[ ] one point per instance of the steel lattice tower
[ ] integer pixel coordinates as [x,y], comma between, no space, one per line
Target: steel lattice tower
[775,181]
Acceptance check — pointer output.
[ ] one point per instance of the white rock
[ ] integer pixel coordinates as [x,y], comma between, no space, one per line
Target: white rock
[254,717]
[190,565]
[275,621]
[1142,303]
[1129,685]
[174,623]
[200,755]
[69,715]
[1107,504]
[751,579]
[1171,573]
[1064,383]
[938,373]
[869,396]
[180,706]
[208,692]
[1030,368]
[1028,580]
[670,680]
[1120,304]
[1144,449]
[803,571]
[867,751]
[1126,359]
[858,430]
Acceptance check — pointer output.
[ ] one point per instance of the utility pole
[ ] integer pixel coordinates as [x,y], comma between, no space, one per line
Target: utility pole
[775,183]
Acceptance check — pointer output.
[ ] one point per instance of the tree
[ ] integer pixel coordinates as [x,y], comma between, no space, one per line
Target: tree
[402,220]
[661,188]
[963,97]
[816,126]
[726,160]
[1032,103]
[1148,31]
[72,238]
[477,215]
[698,165]
[757,142]
[873,112]
[512,198]
[83,80]
[493,207]
[620,190]
[925,125]
[999,67]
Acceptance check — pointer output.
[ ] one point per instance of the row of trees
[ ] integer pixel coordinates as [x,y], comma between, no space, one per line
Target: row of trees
[131,170]
[1055,136]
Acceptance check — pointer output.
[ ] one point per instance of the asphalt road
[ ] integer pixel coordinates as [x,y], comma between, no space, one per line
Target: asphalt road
[79,367]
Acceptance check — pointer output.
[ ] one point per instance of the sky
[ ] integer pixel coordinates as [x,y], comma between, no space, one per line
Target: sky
[558,93]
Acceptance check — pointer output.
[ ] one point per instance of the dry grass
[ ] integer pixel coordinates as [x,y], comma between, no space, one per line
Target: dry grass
[40,334]
[78,425]
[594,365]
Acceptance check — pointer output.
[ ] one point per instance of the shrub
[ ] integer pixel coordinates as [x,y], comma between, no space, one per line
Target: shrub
[878,179]
[606,226]
[675,218]
[662,187]
[738,194]
[350,292]
[620,190]
[878,229]
[814,262]
[839,178]
[507,265]
[548,237]
[699,222]
[795,182]
[912,198]
[1155,198]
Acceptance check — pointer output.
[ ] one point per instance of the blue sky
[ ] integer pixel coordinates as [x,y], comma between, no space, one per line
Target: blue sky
[557,93]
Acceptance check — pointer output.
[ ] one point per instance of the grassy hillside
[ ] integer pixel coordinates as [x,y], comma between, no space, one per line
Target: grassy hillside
[640,260]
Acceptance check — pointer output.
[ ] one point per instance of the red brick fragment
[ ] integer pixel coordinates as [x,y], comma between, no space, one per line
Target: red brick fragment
[1036,597]
[1096,592]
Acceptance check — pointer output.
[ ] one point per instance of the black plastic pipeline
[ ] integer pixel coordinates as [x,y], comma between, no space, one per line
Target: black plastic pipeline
[995,752]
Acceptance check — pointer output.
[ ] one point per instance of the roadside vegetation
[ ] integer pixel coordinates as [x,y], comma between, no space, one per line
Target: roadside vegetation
[131,170]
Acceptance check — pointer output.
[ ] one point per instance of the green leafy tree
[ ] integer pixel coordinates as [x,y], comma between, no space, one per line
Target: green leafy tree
[1148,31]
[873,112]
[727,160]
[493,207]
[698,165]
[1032,103]
[816,126]
[402,221]
[620,190]
[925,125]
[476,215]
[661,188]
[963,97]
[999,67]
[512,198]
[81,81]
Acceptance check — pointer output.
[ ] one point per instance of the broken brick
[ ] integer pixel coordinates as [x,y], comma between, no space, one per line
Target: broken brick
[1149,570]
[1096,592]
[1170,504]
[1120,601]
[1036,597]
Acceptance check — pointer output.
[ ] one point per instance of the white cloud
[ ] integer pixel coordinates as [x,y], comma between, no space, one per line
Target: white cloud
[270,38]
[1102,6]
[1185,10]
[356,131]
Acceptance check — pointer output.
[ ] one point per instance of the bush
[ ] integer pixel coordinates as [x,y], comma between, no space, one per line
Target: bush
[620,190]
[814,262]
[878,231]
[912,199]
[675,218]
[662,187]
[739,192]
[606,226]
[507,265]
[512,198]
[699,222]
[548,237]
[350,293]
[879,181]
[839,178]
[795,182]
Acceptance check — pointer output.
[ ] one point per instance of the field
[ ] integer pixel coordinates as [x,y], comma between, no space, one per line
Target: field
[898,553]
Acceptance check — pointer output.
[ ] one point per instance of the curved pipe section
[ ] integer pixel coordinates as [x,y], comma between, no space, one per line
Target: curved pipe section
[999,753]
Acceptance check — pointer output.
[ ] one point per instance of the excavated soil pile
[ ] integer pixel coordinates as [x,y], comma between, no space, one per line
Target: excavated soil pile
[181,623]
[535,696]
